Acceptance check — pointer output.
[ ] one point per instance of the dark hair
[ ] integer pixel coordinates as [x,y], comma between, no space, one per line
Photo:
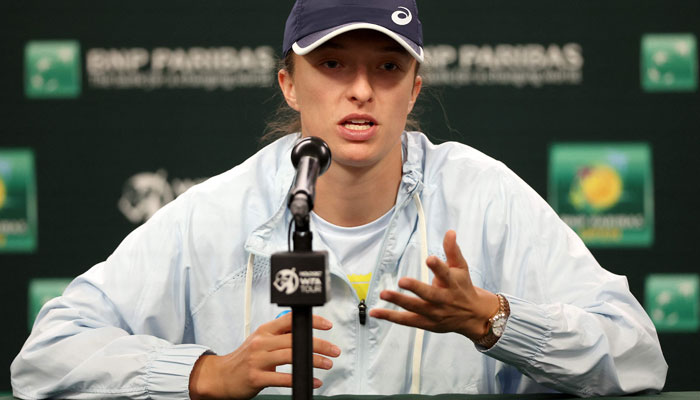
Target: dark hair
[286,120]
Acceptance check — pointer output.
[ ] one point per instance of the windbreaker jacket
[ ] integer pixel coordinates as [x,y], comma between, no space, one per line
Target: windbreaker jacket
[134,325]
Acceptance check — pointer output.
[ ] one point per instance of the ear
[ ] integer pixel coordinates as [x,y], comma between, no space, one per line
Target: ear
[417,85]
[284,78]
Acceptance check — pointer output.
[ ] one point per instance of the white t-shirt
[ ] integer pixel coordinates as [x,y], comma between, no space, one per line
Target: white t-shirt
[356,248]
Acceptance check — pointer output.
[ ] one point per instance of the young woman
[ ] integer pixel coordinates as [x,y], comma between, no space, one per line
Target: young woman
[182,306]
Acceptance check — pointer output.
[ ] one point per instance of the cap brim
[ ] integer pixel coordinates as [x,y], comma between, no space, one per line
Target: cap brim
[310,42]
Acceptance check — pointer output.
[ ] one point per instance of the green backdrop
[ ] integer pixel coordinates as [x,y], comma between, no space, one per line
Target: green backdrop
[129,102]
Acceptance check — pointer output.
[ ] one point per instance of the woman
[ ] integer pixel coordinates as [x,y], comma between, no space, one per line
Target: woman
[182,306]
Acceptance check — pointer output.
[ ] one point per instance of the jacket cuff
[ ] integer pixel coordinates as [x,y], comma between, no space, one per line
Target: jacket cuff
[168,375]
[527,330]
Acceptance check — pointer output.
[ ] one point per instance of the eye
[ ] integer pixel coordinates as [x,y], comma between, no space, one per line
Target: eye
[332,64]
[389,66]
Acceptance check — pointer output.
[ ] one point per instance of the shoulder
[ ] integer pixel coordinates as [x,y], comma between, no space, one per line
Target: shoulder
[451,162]
[470,183]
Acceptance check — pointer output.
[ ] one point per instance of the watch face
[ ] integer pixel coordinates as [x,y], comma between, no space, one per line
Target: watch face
[498,326]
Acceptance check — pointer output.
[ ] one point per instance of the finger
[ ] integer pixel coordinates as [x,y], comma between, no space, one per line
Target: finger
[453,252]
[285,342]
[280,379]
[284,356]
[283,324]
[441,271]
[278,326]
[318,322]
[325,347]
[426,292]
[276,342]
[322,362]
[402,318]
[409,303]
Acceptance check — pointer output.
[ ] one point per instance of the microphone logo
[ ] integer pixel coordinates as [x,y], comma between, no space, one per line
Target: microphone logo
[286,281]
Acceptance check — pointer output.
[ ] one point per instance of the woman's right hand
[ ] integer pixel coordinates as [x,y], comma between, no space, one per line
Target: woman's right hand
[250,368]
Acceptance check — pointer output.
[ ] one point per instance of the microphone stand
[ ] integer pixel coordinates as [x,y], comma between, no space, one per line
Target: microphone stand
[300,277]
[302,332]
[310,270]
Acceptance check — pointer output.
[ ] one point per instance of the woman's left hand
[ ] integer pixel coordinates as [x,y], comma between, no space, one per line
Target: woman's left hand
[450,304]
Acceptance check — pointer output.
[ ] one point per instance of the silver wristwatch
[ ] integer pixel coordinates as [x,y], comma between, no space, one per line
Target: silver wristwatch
[497,324]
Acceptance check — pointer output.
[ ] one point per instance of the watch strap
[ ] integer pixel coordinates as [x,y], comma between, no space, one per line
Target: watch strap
[502,314]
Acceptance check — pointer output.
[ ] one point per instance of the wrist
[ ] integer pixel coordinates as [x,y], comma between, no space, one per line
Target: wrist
[496,324]
[478,325]
[200,386]
[491,308]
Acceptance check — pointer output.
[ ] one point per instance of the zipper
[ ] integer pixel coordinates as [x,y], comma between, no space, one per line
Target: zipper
[362,309]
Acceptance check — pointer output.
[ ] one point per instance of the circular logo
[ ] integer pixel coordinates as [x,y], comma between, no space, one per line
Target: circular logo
[144,194]
[598,187]
[287,281]
[401,17]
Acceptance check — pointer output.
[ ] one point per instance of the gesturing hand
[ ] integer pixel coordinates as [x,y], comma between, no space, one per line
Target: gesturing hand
[450,304]
[251,367]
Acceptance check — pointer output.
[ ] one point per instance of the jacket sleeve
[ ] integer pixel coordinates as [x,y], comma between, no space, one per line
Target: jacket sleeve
[121,329]
[574,326]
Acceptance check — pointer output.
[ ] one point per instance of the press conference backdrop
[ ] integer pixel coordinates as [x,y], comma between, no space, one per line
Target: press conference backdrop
[111,109]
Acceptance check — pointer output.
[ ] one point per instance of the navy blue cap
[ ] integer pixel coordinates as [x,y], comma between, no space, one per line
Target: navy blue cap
[313,22]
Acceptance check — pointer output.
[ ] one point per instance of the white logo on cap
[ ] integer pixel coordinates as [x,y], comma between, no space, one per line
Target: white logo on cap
[402,17]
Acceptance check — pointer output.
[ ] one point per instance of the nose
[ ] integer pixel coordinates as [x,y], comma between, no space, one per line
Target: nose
[360,89]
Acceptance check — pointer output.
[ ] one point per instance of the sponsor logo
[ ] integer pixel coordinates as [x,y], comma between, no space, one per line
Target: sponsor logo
[671,300]
[146,192]
[209,68]
[18,208]
[286,281]
[310,282]
[518,65]
[604,192]
[41,291]
[402,16]
[669,63]
[3,192]
[595,188]
[52,69]
[3,196]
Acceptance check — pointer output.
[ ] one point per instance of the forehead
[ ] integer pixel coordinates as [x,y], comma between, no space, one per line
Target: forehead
[365,39]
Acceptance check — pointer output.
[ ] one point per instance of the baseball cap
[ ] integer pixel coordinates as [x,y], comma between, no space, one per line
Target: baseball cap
[313,22]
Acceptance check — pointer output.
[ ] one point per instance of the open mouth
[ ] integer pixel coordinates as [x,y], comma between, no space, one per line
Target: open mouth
[358,124]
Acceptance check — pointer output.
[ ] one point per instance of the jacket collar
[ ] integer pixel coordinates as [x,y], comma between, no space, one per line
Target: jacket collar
[269,237]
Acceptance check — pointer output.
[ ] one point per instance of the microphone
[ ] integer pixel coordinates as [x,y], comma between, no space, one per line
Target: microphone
[300,278]
[311,157]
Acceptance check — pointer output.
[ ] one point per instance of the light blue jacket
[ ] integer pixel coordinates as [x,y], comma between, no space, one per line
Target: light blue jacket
[134,325]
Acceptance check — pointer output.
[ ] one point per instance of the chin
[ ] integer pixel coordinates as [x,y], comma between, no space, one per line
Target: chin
[362,154]
[354,160]
[354,163]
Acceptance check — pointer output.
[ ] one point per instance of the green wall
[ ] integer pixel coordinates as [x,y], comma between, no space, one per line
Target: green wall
[162,94]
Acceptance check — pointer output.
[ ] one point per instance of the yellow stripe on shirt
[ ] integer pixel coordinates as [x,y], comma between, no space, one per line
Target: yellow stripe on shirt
[360,283]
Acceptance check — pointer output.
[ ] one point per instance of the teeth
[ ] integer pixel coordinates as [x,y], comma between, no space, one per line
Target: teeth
[358,124]
[357,127]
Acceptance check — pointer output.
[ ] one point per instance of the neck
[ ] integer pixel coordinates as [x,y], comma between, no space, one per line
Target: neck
[351,196]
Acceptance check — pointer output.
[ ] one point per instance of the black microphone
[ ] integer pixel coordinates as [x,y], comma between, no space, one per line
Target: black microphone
[311,157]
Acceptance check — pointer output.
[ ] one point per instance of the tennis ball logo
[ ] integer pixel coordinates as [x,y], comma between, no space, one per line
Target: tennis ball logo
[598,187]
[3,193]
